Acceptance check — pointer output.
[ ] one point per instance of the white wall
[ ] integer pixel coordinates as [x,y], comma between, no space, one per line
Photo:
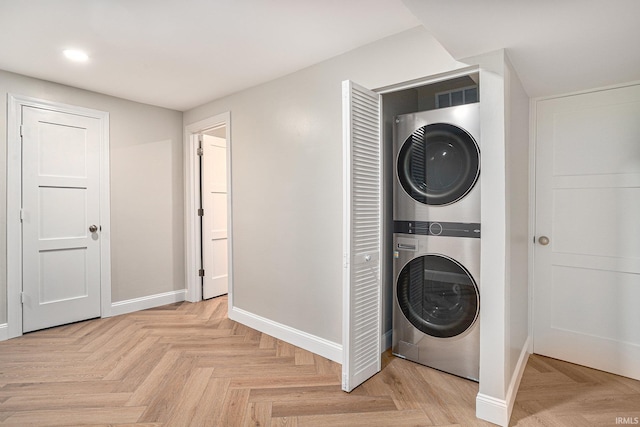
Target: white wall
[286,138]
[493,217]
[518,212]
[505,223]
[146,188]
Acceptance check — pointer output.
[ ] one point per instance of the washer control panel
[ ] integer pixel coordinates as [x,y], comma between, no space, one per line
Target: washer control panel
[432,228]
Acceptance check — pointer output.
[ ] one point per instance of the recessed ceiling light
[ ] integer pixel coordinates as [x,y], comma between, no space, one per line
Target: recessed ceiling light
[76,55]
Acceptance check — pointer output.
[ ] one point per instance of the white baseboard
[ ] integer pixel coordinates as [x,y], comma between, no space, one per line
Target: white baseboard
[498,411]
[491,409]
[151,301]
[128,306]
[312,343]
[512,391]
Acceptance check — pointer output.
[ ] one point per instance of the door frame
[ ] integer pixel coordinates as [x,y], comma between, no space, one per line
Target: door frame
[14,204]
[192,203]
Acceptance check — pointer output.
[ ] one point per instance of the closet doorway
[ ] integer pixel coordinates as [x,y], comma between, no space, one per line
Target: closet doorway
[213,213]
[208,208]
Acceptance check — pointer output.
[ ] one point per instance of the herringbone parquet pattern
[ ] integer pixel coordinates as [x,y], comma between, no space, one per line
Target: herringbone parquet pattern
[556,393]
[187,364]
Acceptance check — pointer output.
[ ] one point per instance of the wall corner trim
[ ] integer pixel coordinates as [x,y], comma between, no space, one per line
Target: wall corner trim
[150,301]
[498,411]
[491,409]
[304,340]
[4,332]
[512,391]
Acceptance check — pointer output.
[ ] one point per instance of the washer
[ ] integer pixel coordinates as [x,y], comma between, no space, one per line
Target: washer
[437,156]
[437,295]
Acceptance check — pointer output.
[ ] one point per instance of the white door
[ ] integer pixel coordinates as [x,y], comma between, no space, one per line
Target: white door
[214,221]
[362,305]
[587,277]
[60,206]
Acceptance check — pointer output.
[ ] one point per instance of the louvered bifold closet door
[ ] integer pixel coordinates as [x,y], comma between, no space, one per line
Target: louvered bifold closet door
[362,235]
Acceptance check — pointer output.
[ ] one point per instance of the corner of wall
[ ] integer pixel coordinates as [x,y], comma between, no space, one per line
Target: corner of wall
[498,411]
[387,340]
[516,378]
[494,410]
[501,366]
[490,61]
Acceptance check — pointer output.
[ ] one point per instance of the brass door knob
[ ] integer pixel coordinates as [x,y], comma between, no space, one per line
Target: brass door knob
[543,240]
[93,228]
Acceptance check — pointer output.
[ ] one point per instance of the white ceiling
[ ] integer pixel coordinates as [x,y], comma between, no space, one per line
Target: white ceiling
[182,53]
[556,46]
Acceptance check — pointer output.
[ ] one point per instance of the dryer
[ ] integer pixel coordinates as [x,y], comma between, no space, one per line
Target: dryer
[437,155]
[437,295]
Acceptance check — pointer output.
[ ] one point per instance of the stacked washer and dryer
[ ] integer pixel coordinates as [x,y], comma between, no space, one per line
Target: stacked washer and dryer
[436,266]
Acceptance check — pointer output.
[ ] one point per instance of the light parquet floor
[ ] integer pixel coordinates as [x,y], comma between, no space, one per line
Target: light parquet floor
[188,364]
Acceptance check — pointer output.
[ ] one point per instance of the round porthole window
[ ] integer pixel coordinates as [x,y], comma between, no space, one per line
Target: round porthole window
[438,164]
[438,296]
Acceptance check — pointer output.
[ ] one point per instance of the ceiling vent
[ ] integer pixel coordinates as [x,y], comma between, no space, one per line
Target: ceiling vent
[465,95]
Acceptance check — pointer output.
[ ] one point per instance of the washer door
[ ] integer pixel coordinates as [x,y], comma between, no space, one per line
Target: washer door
[438,296]
[438,164]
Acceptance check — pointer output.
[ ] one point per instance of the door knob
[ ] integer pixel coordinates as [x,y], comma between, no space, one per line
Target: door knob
[543,240]
[93,228]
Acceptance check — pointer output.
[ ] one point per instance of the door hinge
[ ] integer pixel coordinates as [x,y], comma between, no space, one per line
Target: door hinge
[21,130]
[200,151]
[21,215]
[200,212]
[22,297]
[201,272]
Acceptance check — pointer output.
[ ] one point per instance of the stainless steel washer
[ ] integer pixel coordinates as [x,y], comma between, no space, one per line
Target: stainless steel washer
[437,295]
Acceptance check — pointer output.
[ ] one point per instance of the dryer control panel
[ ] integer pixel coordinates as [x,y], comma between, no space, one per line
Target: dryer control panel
[432,228]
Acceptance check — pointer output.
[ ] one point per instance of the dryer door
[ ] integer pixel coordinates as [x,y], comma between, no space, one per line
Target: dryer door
[438,296]
[438,164]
